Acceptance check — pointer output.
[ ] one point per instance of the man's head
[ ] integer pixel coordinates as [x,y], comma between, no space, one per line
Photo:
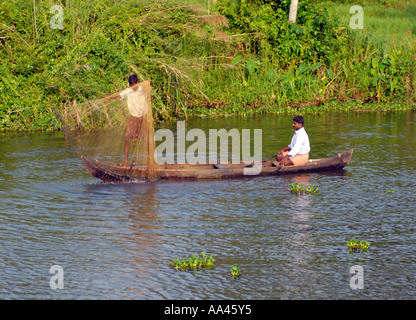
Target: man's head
[298,122]
[133,80]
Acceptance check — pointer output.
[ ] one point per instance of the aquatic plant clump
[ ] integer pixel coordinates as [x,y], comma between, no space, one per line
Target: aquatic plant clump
[357,244]
[193,263]
[299,188]
[235,271]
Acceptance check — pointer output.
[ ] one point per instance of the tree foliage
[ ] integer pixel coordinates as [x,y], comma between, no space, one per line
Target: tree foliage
[236,56]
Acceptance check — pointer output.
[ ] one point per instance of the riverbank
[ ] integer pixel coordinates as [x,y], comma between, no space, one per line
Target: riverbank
[204,59]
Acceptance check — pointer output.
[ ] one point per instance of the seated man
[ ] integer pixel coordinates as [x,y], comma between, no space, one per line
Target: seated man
[297,152]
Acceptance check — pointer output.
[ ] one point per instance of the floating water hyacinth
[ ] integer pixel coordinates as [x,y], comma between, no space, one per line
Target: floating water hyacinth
[299,188]
[356,244]
[193,263]
[235,271]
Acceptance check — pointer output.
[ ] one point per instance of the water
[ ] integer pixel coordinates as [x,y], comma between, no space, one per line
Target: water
[115,241]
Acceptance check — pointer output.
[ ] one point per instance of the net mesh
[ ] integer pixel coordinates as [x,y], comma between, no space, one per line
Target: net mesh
[105,129]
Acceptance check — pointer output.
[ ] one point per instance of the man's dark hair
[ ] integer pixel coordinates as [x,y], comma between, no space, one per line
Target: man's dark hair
[133,79]
[299,119]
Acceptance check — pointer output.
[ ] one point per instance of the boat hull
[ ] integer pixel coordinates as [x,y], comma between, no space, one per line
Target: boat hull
[117,173]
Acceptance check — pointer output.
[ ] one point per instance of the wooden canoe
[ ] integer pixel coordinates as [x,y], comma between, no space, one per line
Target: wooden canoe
[118,173]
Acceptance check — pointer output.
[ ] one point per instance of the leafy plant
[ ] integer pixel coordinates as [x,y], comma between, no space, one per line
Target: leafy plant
[356,245]
[193,263]
[381,70]
[299,188]
[235,271]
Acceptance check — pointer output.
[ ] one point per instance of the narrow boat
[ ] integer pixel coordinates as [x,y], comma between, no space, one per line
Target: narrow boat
[118,173]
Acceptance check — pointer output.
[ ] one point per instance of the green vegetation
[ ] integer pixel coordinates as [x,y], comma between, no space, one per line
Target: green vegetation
[235,271]
[204,58]
[299,188]
[387,24]
[387,191]
[356,245]
[193,263]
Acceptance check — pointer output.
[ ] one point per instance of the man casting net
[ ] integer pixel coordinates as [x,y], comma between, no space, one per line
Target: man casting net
[118,129]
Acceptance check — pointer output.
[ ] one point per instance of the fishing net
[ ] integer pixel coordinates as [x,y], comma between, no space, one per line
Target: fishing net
[118,129]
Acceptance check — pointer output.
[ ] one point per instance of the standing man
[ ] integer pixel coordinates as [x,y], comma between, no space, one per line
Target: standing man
[297,152]
[137,105]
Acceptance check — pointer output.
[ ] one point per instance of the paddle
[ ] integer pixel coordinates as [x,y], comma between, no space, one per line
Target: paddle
[273,156]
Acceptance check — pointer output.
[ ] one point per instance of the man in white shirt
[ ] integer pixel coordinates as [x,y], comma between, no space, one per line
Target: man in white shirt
[297,152]
[137,105]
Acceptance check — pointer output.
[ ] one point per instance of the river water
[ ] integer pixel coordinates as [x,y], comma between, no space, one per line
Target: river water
[116,241]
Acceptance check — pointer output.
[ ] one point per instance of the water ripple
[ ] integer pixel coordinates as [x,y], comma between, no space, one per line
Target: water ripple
[116,241]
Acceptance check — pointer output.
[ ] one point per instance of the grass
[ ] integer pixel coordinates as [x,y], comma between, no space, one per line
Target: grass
[387,24]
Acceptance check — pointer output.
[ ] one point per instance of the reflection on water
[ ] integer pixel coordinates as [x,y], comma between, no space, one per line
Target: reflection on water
[115,241]
[302,215]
